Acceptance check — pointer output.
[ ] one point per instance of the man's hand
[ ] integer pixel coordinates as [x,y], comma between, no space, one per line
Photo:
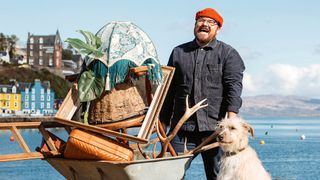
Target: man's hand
[231,114]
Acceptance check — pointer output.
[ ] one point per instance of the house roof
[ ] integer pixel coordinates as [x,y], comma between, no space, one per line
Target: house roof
[48,40]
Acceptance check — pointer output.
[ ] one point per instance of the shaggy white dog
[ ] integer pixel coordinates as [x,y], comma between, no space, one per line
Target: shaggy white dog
[239,161]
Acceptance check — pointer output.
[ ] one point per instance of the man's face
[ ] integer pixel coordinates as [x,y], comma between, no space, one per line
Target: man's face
[205,30]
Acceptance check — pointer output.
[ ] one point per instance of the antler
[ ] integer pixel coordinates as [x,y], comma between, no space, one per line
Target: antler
[189,112]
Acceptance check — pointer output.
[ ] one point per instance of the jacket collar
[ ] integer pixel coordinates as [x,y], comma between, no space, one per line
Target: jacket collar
[211,45]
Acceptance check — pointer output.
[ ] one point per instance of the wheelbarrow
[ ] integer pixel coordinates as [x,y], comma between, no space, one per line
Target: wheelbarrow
[166,167]
[145,165]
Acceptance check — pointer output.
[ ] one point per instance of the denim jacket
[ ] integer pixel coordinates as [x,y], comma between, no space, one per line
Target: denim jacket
[214,72]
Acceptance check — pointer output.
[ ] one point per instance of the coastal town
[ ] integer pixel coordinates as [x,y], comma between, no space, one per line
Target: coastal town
[41,52]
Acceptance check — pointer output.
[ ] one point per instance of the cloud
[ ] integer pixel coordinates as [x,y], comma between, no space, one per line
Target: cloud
[249,54]
[248,83]
[285,79]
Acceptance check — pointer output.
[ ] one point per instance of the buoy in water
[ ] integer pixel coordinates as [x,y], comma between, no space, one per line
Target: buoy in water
[302,137]
[11,138]
[261,142]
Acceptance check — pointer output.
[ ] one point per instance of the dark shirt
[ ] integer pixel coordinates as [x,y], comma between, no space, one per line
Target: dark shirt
[213,72]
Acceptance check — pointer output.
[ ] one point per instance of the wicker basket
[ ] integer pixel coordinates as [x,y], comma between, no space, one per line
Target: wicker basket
[124,101]
[92,146]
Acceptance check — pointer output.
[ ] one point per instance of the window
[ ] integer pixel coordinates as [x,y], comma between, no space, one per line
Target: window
[26,105]
[15,97]
[8,103]
[41,40]
[31,40]
[42,97]
[40,53]
[14,89]
[15,104]
[50,61]
[40,61]
[31,53]
[48,105]
[48,98]
[8,96]
[33,91]
[27,90]
[42,105]
[31,61]
[31,46]
[26,97]
[33,105]
[40,46]
[42,91]
[48,91]
[33,97]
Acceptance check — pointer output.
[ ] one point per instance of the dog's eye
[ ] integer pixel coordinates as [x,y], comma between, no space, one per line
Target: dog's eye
[232,128]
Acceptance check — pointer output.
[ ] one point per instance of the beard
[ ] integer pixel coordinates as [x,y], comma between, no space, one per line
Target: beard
[203,38]
[203,35]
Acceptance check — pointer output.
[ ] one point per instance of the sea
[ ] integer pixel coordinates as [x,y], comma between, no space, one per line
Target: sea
[289,149]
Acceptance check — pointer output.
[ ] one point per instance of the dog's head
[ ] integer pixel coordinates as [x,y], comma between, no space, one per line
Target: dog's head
[233,134]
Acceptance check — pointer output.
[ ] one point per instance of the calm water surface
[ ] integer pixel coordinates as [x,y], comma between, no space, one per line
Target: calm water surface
[284,154]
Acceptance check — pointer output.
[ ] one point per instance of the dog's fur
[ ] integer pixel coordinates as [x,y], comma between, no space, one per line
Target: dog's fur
[239,161]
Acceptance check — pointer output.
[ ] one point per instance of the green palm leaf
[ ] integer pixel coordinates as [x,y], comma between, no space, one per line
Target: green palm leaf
[91,39]
[86,49]
[89,86]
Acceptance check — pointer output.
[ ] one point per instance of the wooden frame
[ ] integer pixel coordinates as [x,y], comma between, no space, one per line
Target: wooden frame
[156,104]
[71,103]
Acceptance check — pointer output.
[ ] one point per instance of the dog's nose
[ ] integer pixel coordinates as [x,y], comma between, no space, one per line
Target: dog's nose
[220,137]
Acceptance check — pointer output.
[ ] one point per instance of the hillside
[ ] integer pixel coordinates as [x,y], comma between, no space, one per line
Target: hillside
[280,106]
[23,74]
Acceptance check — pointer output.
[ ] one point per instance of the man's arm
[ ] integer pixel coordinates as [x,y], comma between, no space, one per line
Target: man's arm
[232,80]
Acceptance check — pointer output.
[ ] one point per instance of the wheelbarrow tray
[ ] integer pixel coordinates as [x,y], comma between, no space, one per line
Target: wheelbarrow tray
[156,169]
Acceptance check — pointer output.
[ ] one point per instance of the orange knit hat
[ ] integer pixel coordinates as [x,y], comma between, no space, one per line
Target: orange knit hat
[211,13]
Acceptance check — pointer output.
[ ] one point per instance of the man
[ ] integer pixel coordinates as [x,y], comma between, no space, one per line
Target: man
[206,68]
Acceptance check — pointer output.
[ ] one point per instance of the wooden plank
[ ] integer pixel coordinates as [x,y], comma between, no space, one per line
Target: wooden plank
[70,104]
[100,130]
[20,139]
[156,104]
[149,116]
[20,124]
[29,125]
[47,138]
[133,122]
[21,156]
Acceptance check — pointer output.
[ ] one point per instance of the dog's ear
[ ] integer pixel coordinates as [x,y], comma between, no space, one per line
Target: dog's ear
[249,128]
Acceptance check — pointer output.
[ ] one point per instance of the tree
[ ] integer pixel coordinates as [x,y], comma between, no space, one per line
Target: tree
[12,45]
[3,42]
[8,42]
[67,54]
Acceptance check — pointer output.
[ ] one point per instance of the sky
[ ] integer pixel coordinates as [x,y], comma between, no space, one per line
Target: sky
[279,40]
